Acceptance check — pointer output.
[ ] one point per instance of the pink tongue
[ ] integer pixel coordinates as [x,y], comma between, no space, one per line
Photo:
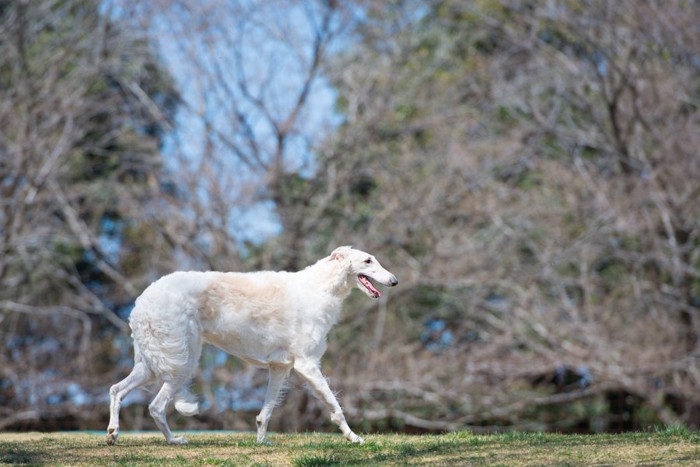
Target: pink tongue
[366,282]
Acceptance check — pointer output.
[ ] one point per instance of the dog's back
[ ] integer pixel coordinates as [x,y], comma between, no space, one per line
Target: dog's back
[250,315]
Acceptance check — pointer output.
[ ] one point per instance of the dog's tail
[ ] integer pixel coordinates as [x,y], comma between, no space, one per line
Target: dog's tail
[186,403]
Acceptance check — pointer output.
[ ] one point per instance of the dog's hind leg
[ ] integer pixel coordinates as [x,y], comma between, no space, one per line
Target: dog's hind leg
[159,411]
[310,371]
[139,376]
[276,380]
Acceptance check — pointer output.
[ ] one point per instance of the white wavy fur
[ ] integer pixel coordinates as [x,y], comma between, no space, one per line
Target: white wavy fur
[277,320]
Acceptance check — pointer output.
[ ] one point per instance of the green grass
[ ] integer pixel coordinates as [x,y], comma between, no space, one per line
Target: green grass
[674,446]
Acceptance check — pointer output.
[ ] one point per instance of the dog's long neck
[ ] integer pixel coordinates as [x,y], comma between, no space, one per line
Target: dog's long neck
[329,276]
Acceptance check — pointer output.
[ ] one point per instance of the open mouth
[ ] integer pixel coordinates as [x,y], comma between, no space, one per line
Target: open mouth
[369,287]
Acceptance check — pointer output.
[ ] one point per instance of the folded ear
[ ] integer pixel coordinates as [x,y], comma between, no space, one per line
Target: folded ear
[340,253]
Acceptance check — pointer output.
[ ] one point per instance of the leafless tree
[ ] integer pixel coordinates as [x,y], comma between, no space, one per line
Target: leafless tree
[254,104]
[78,161]
[531,169]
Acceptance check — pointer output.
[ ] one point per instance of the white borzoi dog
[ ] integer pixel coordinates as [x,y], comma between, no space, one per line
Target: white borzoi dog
[277,320]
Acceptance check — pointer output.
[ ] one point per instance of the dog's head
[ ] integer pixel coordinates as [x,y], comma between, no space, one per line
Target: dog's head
[364,268]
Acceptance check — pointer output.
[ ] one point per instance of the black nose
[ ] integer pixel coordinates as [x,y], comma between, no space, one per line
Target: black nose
[393,281]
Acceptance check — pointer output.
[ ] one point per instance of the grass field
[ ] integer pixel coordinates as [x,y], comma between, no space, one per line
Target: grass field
[669,447]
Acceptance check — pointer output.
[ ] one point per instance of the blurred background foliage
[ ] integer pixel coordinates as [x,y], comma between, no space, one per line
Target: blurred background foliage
[529,170]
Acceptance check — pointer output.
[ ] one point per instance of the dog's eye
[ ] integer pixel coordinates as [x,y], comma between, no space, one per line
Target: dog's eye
[368,261]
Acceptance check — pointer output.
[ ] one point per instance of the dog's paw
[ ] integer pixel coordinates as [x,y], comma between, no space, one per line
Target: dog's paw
[353,438]
[112,435]
[177,440]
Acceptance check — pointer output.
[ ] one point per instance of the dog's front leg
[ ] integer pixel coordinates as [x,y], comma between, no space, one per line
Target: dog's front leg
[310,371]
